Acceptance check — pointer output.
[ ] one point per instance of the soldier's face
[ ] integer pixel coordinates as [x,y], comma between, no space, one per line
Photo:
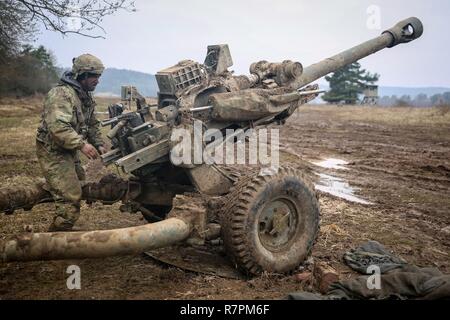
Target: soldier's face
[90,82]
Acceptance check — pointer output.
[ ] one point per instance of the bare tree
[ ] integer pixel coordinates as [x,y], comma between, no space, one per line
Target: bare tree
[56,14]
[16,26]
[19,18]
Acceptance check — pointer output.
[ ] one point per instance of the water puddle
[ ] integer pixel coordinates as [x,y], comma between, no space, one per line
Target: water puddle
[335,186]
[339,188]
[332,163]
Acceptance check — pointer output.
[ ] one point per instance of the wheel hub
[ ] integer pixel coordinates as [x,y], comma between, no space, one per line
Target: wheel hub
[277,224]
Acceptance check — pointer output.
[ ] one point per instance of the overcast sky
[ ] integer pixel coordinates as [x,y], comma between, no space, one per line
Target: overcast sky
[162,32]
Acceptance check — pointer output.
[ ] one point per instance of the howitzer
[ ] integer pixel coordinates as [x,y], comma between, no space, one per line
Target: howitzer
[268,222]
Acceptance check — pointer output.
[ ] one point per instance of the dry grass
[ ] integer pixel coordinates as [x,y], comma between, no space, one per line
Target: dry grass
[17,108]
[104,102]
[444,109]
[399,116]
[344,225]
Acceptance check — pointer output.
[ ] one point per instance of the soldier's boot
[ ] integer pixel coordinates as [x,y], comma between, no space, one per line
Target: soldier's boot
[66,217]
[59,224]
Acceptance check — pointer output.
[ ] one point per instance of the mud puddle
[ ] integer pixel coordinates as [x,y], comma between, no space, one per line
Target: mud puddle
[335,186]
[339,188]
[332,163]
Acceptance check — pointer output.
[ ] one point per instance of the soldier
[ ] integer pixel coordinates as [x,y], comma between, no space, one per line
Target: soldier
[68,126]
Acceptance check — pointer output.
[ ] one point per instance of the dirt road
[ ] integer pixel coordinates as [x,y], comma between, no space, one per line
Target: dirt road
[397,159]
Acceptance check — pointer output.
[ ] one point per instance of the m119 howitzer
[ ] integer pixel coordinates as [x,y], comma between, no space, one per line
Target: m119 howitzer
[267,222]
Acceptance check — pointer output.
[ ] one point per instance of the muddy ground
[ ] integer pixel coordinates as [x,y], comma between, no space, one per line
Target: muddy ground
[398,159]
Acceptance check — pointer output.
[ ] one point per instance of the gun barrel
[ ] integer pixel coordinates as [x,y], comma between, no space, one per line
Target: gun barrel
[310,92]
[113,132]
[107,122]
[405,31]
[94,244]
[200,108]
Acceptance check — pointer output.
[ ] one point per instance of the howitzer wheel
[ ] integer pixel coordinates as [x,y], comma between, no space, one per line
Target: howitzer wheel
[270,223]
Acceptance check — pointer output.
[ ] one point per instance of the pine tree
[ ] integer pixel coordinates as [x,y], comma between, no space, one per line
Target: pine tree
[347,83]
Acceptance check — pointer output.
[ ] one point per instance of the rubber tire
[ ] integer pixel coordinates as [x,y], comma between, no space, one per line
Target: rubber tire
[240,222]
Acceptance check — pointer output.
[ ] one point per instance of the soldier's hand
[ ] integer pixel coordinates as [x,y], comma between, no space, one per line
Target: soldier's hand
[102,150]
[89,151]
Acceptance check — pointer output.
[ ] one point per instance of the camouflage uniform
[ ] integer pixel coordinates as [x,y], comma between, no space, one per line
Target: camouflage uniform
[68,122]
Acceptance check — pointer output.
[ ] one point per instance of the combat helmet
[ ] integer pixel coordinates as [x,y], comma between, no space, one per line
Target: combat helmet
[87,63]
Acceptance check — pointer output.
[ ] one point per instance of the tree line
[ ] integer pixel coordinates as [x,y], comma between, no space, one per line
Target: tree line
[420,100]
